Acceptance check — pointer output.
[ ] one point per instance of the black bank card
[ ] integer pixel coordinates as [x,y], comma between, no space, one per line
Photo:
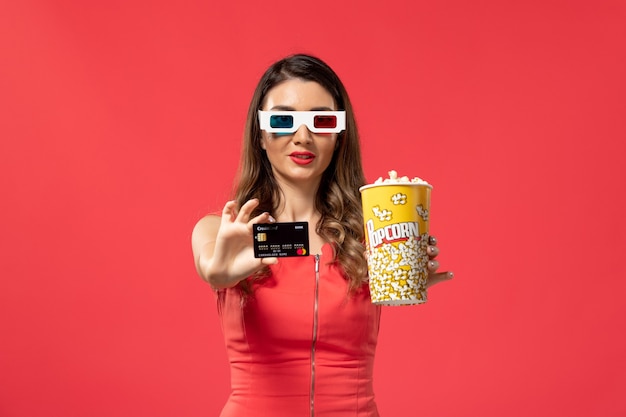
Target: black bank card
[280,239]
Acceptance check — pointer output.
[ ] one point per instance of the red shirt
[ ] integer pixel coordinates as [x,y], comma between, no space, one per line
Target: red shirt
[301,345]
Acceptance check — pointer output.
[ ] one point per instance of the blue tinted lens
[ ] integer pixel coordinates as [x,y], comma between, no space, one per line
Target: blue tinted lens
[281,121]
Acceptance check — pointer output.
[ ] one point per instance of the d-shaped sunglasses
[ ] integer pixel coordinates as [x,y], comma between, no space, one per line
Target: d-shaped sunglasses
[290,121]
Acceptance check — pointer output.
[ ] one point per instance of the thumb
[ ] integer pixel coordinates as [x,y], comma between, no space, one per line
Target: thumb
[439,277]
[269,261]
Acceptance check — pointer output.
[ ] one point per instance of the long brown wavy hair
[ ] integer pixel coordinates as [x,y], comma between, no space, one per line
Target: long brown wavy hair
[338,198]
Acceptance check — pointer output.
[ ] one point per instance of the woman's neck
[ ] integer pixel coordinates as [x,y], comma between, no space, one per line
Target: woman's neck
[297,203]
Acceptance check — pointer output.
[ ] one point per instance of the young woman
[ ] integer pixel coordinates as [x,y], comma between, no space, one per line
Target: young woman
[300,332]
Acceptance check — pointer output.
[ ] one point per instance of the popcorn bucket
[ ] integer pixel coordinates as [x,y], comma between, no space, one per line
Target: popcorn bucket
[396,236]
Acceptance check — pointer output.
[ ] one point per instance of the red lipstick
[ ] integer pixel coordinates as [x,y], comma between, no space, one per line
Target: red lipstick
[302,158]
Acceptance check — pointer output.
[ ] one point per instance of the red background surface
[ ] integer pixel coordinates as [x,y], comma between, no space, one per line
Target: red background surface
[121,125]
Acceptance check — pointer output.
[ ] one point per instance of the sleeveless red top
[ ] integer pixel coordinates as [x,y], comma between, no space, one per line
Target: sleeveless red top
[301,345]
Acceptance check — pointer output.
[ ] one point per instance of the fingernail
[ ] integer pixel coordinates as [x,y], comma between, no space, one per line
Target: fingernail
[450,274]
[271,219]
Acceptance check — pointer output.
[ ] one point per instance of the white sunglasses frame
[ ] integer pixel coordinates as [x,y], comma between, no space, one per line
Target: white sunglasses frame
[302,118]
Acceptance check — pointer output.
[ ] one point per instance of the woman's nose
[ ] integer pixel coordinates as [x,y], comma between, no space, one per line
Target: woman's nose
[302,135]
